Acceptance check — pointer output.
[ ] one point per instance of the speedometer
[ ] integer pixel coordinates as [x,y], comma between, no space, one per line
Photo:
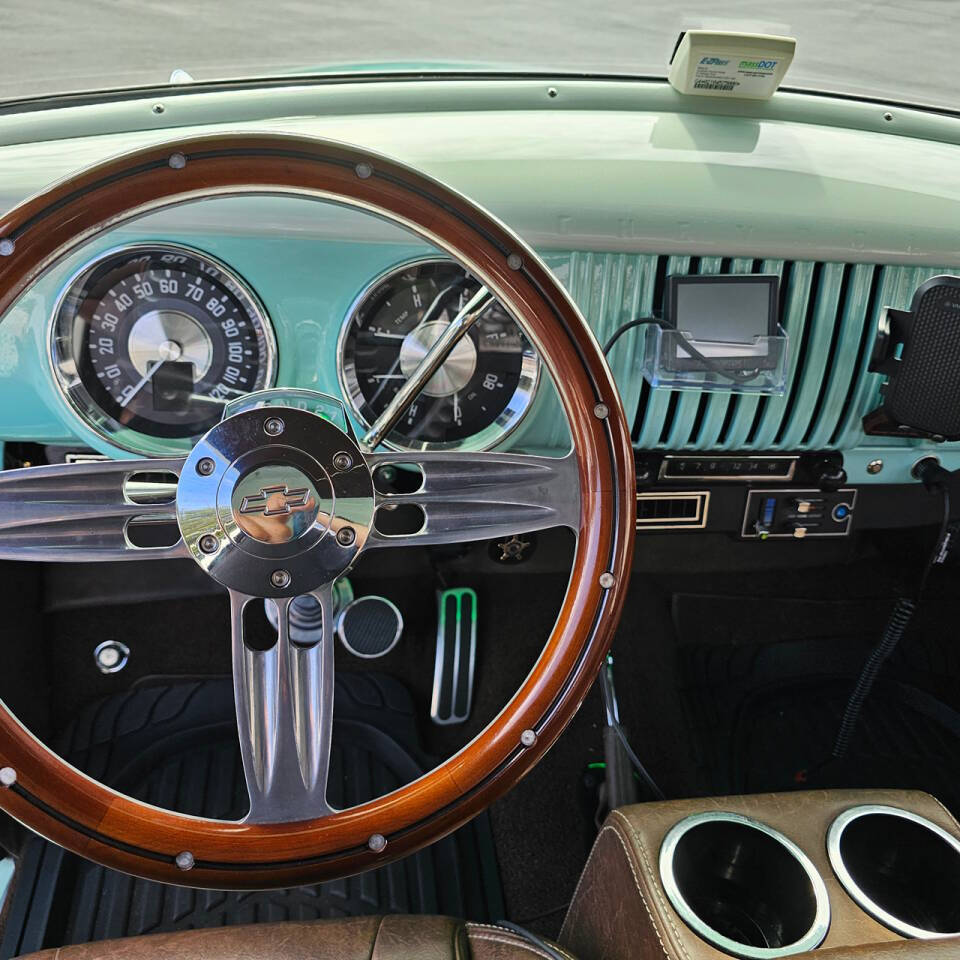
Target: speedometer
[479,394]
[153,341]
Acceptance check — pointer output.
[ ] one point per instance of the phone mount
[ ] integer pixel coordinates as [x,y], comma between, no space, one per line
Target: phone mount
[918,351]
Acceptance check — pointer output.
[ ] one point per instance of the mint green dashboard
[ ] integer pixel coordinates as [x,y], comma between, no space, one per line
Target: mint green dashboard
[616,184]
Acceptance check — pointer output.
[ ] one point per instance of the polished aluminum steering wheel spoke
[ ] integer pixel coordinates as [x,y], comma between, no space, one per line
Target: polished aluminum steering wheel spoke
[284,699]
[83,511]
[480,496]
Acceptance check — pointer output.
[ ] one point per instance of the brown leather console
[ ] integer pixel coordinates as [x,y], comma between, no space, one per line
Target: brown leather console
[620,909]
[353,938]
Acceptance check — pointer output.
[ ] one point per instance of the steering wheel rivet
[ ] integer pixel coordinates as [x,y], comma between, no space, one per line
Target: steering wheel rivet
[601,411]
[184,860]
[208,543]
[342,461]
[607,580]
[528,738]
[280,579]
[514,261]
[273,426]
[205,466]
[377,843]
[8,776]
[364,171]
[177,161]
[6,247]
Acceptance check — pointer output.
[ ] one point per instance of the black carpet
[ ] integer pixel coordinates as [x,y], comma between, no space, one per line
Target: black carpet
[145,743]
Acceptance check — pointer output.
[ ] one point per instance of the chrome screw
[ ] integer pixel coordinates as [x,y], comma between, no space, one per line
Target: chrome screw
[607,580]
[177,161]
[601,411]
[346,536]
[208,543]
[551,91]
[158,108]
[273,426]
[514,261]
[280,579]
[874,467]
[377,843]
[888,117]
[528,738]
[8,776]
[342,461]
[205,467]
[184,860]
[111,656]
[6,247]
[364,171]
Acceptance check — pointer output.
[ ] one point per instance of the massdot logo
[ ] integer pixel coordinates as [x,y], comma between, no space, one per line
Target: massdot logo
[757,64]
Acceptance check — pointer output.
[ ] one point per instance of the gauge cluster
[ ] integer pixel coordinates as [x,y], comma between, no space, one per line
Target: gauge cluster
[150,343]
[478,395]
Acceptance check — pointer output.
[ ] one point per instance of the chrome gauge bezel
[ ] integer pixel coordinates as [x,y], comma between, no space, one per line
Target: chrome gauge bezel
[506,422]
[64,366]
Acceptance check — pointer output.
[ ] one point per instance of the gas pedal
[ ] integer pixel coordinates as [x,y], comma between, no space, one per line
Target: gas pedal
[456,655]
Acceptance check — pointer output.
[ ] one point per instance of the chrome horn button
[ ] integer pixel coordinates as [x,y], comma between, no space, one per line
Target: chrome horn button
[275,501]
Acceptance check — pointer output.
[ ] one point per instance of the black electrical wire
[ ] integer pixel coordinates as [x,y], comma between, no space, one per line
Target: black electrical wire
[897,624]
[638,766]
[629,325]
[737,376]
[532,939]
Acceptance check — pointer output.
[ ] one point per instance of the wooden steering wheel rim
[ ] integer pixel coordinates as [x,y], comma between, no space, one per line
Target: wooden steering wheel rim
[57,801]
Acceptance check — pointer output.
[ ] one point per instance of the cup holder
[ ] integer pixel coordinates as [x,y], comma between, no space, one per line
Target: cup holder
[743,887]
[901,868]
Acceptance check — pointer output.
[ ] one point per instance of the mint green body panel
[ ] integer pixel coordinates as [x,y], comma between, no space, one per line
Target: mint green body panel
[601,180]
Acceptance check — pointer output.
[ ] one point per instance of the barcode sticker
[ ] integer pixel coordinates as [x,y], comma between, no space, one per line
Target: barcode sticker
[714,85]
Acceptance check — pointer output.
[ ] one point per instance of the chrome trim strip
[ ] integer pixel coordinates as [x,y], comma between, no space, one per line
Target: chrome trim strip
[809,941]
[698,522]
[834,835]
[704,477]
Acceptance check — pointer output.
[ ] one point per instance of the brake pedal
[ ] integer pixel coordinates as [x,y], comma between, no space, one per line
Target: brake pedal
[456,655]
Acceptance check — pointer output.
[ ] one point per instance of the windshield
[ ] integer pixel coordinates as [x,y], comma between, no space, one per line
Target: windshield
[900,51]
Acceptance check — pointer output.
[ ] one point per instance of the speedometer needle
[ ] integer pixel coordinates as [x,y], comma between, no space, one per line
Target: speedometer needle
[144,380]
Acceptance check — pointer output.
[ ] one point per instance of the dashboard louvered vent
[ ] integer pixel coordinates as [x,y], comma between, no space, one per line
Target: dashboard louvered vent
[830,311]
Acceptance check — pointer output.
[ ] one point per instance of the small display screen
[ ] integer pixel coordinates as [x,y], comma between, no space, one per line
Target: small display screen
[723,316]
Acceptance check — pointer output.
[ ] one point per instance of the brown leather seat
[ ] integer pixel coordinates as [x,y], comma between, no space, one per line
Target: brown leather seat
[352,938]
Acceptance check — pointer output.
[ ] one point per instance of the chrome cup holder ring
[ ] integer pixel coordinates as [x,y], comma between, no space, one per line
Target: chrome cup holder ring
[900,868]
[743,887]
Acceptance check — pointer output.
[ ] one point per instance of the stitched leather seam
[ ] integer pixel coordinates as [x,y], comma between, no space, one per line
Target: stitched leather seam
[654,886]
[636,882]
[376,937]
[513,943]
[493,928]
[574,902]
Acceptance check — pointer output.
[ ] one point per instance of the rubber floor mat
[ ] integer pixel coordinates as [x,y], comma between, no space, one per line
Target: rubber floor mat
[175,745]
[765,683]
[905,739]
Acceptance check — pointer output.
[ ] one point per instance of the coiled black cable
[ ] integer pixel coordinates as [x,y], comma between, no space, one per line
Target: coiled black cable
[900,618]
[897,624]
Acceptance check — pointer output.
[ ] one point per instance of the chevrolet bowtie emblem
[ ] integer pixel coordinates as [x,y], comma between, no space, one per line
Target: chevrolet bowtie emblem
[275,501]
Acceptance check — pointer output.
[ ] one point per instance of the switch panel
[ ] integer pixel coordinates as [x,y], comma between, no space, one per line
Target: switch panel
[798,514]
